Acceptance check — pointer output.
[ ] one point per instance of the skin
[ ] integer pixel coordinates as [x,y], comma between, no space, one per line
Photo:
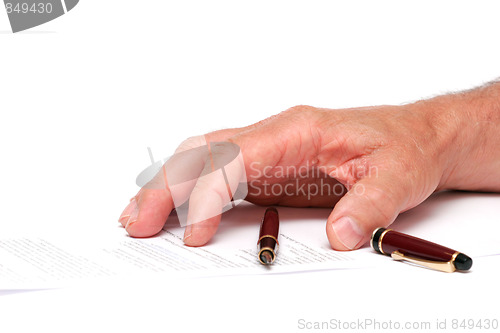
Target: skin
[388,159]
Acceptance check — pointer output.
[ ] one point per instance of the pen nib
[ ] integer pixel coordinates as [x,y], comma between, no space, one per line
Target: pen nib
[266,257]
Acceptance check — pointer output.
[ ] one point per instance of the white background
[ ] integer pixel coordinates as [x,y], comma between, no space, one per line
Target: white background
[82,97]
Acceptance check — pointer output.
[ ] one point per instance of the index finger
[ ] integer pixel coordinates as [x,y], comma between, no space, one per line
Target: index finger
[149,209]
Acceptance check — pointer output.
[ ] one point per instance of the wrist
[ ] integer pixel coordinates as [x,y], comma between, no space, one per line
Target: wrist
[468,134]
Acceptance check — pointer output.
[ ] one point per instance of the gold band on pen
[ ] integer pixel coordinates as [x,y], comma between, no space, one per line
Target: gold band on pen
[380,240]
[269,236]
[454,256]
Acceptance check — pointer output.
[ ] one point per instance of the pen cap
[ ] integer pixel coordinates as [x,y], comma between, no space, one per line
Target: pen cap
[386,241]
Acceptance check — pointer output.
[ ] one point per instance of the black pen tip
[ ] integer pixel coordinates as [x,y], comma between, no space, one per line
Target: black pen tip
[462,262]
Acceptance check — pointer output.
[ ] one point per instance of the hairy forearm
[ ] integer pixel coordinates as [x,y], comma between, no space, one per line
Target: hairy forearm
[471,121]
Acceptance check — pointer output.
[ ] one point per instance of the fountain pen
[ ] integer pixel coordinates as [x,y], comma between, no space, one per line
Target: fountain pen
[418,251]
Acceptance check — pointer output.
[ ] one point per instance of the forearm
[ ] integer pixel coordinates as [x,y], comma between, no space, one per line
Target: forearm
[472,125]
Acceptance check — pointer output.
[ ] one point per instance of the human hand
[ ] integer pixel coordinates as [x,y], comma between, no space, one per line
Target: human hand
[388,158]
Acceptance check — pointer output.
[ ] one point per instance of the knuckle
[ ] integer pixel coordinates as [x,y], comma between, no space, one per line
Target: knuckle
[191,142]
[300,110]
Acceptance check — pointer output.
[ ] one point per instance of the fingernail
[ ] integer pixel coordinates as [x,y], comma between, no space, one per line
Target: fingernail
[133,215]
[127,211]
[347,232]
[188,232]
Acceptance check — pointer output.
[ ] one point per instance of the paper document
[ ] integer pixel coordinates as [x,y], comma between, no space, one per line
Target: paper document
[42,262]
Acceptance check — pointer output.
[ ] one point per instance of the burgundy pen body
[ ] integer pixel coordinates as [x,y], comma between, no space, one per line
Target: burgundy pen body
[387,241]
[268,236]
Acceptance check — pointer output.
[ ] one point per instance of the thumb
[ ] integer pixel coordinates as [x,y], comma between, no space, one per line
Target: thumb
[372,202]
